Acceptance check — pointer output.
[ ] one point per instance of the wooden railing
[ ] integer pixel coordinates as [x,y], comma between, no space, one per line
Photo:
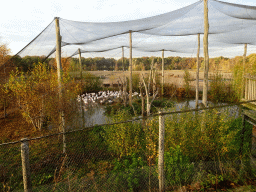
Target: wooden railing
[250,88]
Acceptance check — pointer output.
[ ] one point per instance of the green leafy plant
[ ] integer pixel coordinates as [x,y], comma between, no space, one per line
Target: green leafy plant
[91,83]
[130,172]
[124,139]
[179,170]
[221,89]
[211,180]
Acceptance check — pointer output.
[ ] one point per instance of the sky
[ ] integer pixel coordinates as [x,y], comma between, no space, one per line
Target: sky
[22,20]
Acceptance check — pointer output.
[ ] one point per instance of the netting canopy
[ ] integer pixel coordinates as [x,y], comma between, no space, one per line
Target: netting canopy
[230,25]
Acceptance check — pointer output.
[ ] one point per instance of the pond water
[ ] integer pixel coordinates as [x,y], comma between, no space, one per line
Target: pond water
[94,115]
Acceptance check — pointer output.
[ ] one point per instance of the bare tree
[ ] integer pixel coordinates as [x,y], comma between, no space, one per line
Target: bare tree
[152,79]
[142,98]
[123,89]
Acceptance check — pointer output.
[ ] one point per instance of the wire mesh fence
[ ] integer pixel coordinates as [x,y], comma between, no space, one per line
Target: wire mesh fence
[10,167]
[202,150]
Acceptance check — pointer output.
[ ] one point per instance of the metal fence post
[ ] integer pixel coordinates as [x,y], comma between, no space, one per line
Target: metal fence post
[161,152]
[25,165]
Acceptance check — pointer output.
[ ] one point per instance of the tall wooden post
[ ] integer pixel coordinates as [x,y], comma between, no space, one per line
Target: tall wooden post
[206,53]
[197,71]
[59,72]
[124,80]
[58,52]
[244,62]
[81,81]
[161,152]
[130,64]
[123,57]
[80,64]
[162,72]
[25,165]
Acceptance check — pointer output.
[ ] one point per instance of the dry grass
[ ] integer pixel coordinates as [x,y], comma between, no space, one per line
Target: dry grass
[14,127]
[175,77]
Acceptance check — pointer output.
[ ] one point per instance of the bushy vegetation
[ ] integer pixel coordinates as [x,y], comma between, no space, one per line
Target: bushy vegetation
[124,156]
[157,104]
[224,90]
[37,95]
[179,169]
[91,83]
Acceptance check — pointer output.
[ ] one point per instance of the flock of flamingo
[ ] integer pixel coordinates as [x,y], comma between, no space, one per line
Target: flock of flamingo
[103,97]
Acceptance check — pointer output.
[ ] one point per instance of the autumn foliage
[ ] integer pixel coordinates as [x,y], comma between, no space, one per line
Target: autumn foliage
[37,95]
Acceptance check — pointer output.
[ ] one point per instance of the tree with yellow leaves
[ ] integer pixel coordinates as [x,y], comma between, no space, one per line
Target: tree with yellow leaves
[4,70]
[37,95]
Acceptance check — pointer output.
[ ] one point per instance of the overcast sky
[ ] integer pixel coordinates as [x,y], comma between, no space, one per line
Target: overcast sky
[23,20]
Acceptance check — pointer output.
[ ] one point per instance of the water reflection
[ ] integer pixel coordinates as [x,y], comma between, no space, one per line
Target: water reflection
[94,115]
[191,104]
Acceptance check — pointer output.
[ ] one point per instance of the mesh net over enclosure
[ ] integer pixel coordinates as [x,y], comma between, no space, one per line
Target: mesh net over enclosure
[176,32]
[69,149]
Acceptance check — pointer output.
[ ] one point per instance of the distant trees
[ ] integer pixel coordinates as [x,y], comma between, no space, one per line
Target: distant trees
[93,64]
[140,63]
[26,63]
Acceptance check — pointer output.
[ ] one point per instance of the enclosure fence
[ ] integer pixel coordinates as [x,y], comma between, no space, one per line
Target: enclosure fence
[190,149]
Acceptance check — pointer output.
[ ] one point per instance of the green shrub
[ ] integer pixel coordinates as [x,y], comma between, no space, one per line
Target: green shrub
[130,172]
[178,168]
[238,80]
[221,90]
[126,138]
[91,83]
[201,141]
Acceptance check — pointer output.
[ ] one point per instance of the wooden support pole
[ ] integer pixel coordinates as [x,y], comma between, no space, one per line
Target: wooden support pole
[162,72]
[80,64]
[197,72]
[123,57]
[58,52]
[206,53]
[243,79]
[130,63]
[124,80]
[81,70]
[81,81]
[25,165]
[246,89]
[251,95]
[59,71]
[161,152]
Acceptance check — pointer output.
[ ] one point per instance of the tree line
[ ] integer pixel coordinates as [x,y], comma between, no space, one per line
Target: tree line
[141,63]
[110,64]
